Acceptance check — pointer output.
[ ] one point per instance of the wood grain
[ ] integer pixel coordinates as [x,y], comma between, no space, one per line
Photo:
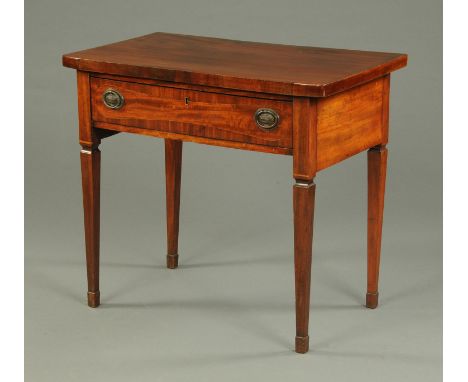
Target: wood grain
[333,103]
[304,138]
[385,108]
[349,123]
[268,68]
[90,158]
[86,133]
[173,156]
[91,175]
[195,113]
[376,174]
[189,138]
[303,201]
[202,88]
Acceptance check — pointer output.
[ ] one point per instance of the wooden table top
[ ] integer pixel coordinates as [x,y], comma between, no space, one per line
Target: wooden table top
[261,67]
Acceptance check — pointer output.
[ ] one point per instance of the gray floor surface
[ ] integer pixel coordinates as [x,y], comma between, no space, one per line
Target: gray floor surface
[227,314]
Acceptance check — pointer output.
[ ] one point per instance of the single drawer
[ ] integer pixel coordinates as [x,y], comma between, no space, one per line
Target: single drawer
[192,112]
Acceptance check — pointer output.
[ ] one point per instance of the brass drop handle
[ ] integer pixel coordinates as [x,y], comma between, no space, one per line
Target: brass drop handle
[113,99]
[266,119]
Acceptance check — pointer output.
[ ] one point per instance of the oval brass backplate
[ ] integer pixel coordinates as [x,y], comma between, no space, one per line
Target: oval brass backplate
[266,119]
[113,99]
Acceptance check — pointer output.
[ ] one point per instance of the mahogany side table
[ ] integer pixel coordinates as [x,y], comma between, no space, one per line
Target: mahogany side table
[319,105]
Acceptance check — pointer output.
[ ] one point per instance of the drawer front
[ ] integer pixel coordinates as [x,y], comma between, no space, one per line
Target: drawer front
[192,112]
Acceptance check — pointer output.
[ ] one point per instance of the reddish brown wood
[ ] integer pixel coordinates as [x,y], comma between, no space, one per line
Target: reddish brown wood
[303,200]
[91,173]
[385,107]
[333,103]
[173,174]
[268,68]
[304,170]
[377,168]
[304,138]
[195,113]
[86,133]
[201,88]
[349,123]
[89,136]
[189,138]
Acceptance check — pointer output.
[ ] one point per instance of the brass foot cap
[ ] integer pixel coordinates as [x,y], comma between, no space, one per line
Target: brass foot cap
[372,300]
[302,344]
[94,299]
[172,261]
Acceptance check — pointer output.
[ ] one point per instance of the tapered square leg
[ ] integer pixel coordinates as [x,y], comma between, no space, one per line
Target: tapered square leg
[91,174]
[304,199]
[376,172]
[173,153]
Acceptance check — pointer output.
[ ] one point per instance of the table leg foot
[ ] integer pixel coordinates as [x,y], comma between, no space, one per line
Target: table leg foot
[302,344]
[372,300]
[94,299]
[172,261]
